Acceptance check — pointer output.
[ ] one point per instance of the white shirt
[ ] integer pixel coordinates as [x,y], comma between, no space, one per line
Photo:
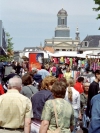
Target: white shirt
[75,98]
[44,73]
[79,63]
[92,79]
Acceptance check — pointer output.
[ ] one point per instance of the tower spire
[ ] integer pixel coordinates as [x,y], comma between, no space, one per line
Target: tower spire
[77,34]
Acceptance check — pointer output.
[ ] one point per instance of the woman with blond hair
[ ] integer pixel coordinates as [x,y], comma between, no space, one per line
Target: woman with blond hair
[38,100]
[84,96]
[73,97]
[67,74]
[83,102]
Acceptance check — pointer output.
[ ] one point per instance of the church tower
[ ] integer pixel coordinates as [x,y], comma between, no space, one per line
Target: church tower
[62,30]
[62,41]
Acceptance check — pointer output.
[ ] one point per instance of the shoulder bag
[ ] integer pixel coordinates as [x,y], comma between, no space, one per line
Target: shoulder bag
[30,89]
[58,130]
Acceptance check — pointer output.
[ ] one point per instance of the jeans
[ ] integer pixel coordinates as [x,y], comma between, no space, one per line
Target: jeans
[76,114]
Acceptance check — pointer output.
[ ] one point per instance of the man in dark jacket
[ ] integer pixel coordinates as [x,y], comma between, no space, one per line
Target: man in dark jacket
[1,69]
[93,90]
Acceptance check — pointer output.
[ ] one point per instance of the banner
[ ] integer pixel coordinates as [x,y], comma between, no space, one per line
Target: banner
[35,60]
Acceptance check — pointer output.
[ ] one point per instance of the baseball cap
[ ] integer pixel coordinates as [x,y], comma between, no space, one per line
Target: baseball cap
[37,78]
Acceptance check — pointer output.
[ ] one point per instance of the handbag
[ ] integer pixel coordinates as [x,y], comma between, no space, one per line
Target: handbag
[30,89]
[58,130]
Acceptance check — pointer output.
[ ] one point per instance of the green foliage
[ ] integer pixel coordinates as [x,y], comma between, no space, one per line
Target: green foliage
[97,2]
[9,56]
[4,58]
[10,44]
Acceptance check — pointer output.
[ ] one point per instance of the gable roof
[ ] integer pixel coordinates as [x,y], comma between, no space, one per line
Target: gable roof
[93,40]
[31,48]
[50,49]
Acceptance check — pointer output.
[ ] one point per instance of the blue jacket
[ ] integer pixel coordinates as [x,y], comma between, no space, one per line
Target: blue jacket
[95,115]
[38,100]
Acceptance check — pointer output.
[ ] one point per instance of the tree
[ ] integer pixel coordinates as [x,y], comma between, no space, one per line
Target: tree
[10,51]
[9,46]
[97,2]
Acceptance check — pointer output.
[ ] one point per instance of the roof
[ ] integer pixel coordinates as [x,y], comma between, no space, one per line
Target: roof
[93,40]
[62,12]
[31,48]
[50,49]
[45,53]
[69,54]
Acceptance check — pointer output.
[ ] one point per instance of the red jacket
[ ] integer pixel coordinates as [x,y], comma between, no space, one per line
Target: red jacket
[1,90]
[79,87]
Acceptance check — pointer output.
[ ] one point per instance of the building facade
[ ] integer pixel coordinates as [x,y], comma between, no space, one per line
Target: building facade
[3,40]
[62,40]
[18,56]
[90,43]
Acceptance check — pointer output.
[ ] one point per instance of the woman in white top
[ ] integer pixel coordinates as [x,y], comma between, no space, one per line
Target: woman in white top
[73,97]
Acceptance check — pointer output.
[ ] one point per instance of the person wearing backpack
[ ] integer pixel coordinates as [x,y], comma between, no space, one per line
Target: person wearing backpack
[28,89]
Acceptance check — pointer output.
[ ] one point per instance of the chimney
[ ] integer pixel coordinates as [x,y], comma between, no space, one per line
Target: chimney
[99,44]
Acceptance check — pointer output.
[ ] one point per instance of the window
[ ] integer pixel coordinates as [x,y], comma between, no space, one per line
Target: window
[85,44]
[26,50]
[63,49]
[31,49]
[57,50]
[81,52]
[62,21]
[69,50]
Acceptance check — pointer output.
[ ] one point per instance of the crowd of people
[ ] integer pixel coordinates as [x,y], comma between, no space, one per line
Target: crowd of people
[48,100]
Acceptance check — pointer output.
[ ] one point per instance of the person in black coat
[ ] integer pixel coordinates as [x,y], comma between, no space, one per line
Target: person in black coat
[18,68]
[93,90]
[14,65]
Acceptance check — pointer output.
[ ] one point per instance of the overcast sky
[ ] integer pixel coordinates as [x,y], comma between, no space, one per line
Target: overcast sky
[30,22]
